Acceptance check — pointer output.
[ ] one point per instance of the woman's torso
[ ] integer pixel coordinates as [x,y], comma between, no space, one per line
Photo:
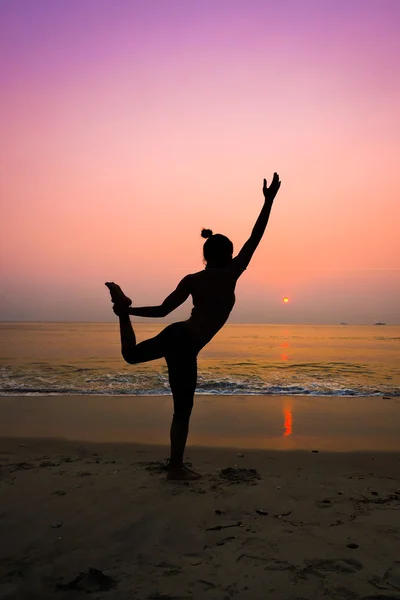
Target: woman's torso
[213,293]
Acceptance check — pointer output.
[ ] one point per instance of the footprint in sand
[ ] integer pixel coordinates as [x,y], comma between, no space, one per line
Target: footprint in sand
[89,581]
[239,475]
[390,579]
[340,565]
[326,503]
[21,466]
[381,597]
[392,575]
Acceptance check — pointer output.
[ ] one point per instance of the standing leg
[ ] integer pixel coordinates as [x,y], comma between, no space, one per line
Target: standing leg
[178,436]
[182,370]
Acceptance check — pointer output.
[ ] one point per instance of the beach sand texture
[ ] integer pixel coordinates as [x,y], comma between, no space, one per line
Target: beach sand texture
[293,524]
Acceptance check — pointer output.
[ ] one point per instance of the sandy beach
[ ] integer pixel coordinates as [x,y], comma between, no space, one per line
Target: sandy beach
[82,513]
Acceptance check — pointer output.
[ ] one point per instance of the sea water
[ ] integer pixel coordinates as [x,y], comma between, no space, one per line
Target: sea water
[84,358]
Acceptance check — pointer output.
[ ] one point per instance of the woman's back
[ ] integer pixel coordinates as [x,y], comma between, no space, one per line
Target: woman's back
[213,293]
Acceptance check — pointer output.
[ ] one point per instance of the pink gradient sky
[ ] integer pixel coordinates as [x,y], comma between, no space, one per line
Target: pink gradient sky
[126,126]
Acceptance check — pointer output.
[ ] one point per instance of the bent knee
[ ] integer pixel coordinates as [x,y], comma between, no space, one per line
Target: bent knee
[129,357]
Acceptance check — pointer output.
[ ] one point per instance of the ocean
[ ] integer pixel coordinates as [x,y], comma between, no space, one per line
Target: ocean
[315,360]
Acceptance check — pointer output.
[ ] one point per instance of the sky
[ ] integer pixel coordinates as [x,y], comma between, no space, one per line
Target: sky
[128,125]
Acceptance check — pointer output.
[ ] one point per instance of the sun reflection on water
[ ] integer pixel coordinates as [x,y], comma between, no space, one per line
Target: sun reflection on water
[288,418]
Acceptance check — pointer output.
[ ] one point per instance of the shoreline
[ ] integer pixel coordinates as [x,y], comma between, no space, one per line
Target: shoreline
[381,395]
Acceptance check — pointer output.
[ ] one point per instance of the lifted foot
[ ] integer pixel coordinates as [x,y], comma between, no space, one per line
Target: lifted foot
[117,295]
[182,474]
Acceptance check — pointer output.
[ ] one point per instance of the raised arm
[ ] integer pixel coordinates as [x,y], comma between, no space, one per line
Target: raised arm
[244,256]
[172,302]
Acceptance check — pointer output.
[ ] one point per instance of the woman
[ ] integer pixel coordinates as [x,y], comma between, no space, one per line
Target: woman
[212,290]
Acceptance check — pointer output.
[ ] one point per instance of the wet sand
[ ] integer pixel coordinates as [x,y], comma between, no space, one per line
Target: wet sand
[261,522]
[263,422]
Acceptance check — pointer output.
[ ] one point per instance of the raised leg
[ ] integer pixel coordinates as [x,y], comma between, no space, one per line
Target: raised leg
[132,352]
[128,338]
[145,351]
[117,295]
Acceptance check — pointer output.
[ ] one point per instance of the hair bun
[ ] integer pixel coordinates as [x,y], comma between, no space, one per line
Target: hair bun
[206,233]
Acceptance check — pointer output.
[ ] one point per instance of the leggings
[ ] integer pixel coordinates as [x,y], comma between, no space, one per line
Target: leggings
[180,350]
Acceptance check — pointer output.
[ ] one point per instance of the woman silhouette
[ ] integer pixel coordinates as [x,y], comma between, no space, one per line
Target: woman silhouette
[212,291]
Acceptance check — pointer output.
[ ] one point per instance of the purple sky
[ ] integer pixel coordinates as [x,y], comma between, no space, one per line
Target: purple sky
[129,125]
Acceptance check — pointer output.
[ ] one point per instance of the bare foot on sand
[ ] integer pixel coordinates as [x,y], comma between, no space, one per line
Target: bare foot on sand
[182,474]
[118,296]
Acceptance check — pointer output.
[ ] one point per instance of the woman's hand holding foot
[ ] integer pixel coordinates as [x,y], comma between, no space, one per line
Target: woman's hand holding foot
[120,310]
[121,302]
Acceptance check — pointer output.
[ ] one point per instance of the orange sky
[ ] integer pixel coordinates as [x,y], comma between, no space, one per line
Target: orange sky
[126,128]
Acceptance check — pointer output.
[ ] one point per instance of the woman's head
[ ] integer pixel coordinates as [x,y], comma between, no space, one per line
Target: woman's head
[217,249]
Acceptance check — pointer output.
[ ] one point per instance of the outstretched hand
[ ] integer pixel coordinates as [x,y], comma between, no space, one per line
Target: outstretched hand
[271,191]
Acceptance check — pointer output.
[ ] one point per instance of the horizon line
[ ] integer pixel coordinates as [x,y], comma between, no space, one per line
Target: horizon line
[154,322]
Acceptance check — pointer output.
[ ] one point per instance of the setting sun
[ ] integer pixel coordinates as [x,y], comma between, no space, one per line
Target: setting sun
[286,299]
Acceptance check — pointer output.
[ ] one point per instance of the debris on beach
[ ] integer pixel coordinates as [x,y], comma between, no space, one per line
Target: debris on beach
[158,466]
[239,475]
[209,583]
[48,463]
[219,527]
[68,459]
[227,539]
[92,580]
[21,466]
[158,596]
[155,466]
[325,503]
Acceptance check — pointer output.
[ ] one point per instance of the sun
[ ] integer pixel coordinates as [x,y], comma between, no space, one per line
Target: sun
[286,299]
